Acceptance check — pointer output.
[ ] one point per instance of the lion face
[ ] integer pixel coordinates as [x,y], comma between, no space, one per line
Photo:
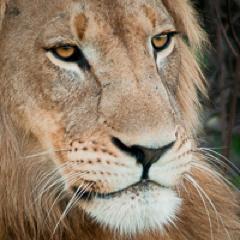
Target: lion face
[102,81]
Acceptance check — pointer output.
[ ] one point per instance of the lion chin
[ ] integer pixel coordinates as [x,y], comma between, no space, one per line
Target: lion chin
[137,209]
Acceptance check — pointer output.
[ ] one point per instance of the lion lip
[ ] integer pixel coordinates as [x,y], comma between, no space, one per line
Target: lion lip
[140,186]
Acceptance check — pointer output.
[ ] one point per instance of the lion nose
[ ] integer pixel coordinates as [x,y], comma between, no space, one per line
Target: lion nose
[143,155]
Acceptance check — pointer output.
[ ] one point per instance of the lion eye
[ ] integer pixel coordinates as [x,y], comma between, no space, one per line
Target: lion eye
[65,52]
[162,40]
[72,54]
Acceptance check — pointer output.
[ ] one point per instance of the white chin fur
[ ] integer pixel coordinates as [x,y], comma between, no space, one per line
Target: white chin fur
[131,213]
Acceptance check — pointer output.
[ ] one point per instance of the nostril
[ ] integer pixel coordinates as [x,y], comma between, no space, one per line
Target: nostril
[120,144]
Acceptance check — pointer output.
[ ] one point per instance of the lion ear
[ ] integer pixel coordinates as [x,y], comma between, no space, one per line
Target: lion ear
[187,21]
[3,4]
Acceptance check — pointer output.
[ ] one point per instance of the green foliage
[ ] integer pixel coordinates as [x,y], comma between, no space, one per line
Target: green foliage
[236,145]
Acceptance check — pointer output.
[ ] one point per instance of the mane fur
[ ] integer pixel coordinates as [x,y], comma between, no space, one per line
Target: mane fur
[210,209]
[191,79]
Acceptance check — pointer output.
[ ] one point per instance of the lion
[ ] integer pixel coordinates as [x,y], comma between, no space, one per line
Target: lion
[99,123]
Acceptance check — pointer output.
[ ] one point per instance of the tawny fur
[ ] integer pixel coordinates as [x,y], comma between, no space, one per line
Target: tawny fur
[22,216]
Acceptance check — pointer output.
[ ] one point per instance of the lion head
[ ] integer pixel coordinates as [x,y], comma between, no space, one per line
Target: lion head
[99,116]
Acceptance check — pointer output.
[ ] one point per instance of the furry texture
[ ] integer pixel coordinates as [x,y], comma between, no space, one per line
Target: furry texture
[54,115]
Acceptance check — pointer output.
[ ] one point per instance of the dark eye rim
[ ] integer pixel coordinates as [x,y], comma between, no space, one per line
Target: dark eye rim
[77,57]
[169,35]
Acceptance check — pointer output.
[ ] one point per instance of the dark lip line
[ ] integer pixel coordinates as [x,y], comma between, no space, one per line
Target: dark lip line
[90,195]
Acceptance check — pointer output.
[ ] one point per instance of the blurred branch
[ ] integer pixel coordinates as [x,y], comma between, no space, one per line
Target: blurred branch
[233,110]
[222,22]
[223,28]
[232,29]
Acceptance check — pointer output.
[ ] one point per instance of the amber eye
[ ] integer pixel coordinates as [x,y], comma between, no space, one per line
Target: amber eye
[65,52]
[162,41]
[71,54]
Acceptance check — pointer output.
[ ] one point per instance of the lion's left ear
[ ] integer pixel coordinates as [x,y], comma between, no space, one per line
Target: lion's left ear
[3,4]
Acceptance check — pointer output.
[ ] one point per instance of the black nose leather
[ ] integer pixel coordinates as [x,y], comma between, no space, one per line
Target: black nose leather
[151,155]
[144,156]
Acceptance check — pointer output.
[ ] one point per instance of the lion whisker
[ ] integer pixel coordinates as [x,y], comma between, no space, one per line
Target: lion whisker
[221,156]
[190,180]
[50,176]
[40,154]
[58,197]
[195,184]
[215,176]
[69,178]
[44,153]
[66,210]
[71,203]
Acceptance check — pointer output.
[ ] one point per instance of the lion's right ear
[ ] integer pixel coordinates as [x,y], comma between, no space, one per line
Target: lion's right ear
[3,4]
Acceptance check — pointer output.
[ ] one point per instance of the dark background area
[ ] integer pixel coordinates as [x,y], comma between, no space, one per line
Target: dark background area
[221,64]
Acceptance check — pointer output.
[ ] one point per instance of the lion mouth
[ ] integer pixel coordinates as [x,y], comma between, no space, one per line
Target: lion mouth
[140,186]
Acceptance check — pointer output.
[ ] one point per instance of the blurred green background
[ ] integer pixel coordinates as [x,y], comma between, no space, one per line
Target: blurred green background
[221,20]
